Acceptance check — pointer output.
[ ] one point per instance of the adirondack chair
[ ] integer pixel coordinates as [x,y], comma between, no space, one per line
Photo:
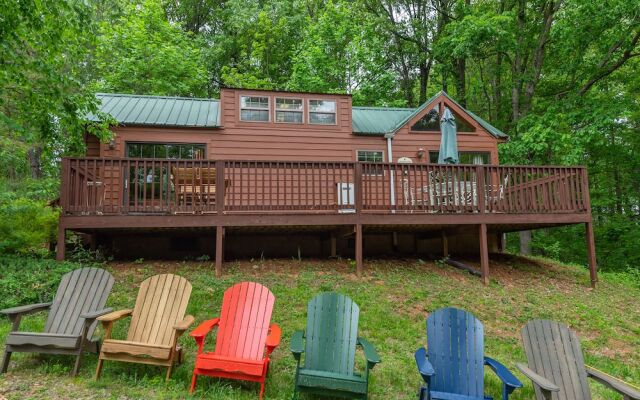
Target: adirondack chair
[556,366]
[157,321]
[80,299]
[329,347]
[245,338]
[453,364]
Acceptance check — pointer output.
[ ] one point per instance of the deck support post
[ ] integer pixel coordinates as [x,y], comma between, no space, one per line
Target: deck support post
[219,249]
[591,253]
[358,246]
[484,254]
[60,245]
[333,243]
[445,245]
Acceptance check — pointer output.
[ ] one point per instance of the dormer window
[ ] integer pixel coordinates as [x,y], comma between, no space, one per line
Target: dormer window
[289,110]
[322,112]
[254,108]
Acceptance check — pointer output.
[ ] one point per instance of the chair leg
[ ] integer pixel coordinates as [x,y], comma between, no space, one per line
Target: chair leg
[193,382]
[99,368]
[169,369]
[5,362]
[76,367]
[261,390]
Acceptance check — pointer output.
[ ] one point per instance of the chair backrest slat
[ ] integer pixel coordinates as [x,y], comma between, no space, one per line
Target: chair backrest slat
[161,303]
[244,321]
[455,347]
[80,291]
[554,351]
[332,333]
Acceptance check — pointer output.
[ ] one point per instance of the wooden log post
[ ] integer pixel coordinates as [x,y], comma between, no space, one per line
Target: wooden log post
[591,254]
[219,249]
[484,254]
[445,245]
[60,245]
[358,239]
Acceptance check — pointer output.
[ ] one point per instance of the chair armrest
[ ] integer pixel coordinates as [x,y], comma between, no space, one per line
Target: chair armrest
[424,366]
[541,381]
[24,310]
[114,316]
[297,344]
[369,352]
[503,373]
[184,324]
[91,315]
[613,383]
[204,328]
[273,339]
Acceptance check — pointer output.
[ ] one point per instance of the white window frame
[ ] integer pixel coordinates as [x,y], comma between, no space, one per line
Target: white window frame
[268,109]
[335,112]
[381,173]
[276,109]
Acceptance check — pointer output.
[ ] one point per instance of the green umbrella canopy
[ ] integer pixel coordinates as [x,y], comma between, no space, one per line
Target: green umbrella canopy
[449,140]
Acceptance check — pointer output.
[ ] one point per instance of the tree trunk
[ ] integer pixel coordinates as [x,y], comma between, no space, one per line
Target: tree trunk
[525,243]
[425,70]
[460,68]
[34,154]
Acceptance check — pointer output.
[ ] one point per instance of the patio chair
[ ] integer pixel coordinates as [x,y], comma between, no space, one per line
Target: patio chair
[157,321]
[556,365]
[329,347]
[245,338]
[79,300]
[452,366]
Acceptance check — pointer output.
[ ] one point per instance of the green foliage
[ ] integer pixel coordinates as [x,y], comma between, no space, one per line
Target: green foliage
[142,52]
[28,280]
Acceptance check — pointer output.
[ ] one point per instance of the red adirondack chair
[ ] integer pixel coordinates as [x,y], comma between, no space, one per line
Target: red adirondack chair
[245,339]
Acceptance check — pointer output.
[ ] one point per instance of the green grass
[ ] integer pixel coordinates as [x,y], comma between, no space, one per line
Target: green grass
[394,298]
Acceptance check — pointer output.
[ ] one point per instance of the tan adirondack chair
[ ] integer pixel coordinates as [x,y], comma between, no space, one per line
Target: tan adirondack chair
[157,321]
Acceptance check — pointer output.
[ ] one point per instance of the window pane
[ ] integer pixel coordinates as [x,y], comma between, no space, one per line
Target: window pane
[160,151]
[289,104]
[289,116]
[327,106]
[370,156]
[462,125]
[322,118]
[173,151]
[198,151]
[466,157]
[133,150]
[254,102]
[254,115]
[147,150]
[186,151]
[430,122]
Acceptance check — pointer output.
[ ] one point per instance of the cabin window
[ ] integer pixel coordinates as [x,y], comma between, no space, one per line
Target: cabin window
[429,122]
[369,156]
[289,110]
[184,151]
[322,112]
[462,125]
[254,108]
[466,157]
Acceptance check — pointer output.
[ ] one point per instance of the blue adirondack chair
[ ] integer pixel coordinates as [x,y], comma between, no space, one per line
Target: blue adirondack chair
[453,364]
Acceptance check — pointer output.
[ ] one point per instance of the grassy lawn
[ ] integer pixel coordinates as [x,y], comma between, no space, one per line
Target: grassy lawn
[394,297]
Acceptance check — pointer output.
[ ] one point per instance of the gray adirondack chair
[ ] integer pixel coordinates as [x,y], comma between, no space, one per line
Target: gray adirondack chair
[80,299]
[556,365]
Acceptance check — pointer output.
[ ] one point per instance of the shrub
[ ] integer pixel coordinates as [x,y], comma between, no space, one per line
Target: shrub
[27,280]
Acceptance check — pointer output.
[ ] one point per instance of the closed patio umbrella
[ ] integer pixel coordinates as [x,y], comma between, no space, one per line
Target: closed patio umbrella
[449,141]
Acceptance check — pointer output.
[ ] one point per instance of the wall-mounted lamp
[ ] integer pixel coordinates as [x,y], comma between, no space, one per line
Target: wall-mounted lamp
[420,153]
[112,144]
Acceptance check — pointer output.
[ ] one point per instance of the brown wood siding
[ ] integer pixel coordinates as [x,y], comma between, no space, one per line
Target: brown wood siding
[93,145]
[237,140]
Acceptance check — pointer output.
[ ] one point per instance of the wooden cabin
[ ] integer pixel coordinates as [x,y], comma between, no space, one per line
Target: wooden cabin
[271,173]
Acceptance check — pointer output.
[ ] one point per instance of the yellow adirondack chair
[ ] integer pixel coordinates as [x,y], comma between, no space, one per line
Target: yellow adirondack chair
[157,321]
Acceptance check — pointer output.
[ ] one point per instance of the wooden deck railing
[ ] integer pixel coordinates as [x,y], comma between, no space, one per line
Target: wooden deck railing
[121,186]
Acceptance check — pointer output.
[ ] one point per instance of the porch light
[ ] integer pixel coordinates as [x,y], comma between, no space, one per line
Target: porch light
[420,153]
[112,144]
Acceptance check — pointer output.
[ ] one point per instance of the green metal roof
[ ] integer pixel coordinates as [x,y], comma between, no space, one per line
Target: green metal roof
[377,120]
[205,113]
[159,110]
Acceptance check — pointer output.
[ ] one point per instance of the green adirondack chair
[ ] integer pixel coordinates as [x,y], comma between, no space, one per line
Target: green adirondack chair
[329,347]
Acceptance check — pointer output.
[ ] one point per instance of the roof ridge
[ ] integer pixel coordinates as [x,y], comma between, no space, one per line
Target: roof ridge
[384,108]
[151,96]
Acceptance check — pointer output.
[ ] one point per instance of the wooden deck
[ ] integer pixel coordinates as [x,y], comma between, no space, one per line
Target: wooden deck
[118,193]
